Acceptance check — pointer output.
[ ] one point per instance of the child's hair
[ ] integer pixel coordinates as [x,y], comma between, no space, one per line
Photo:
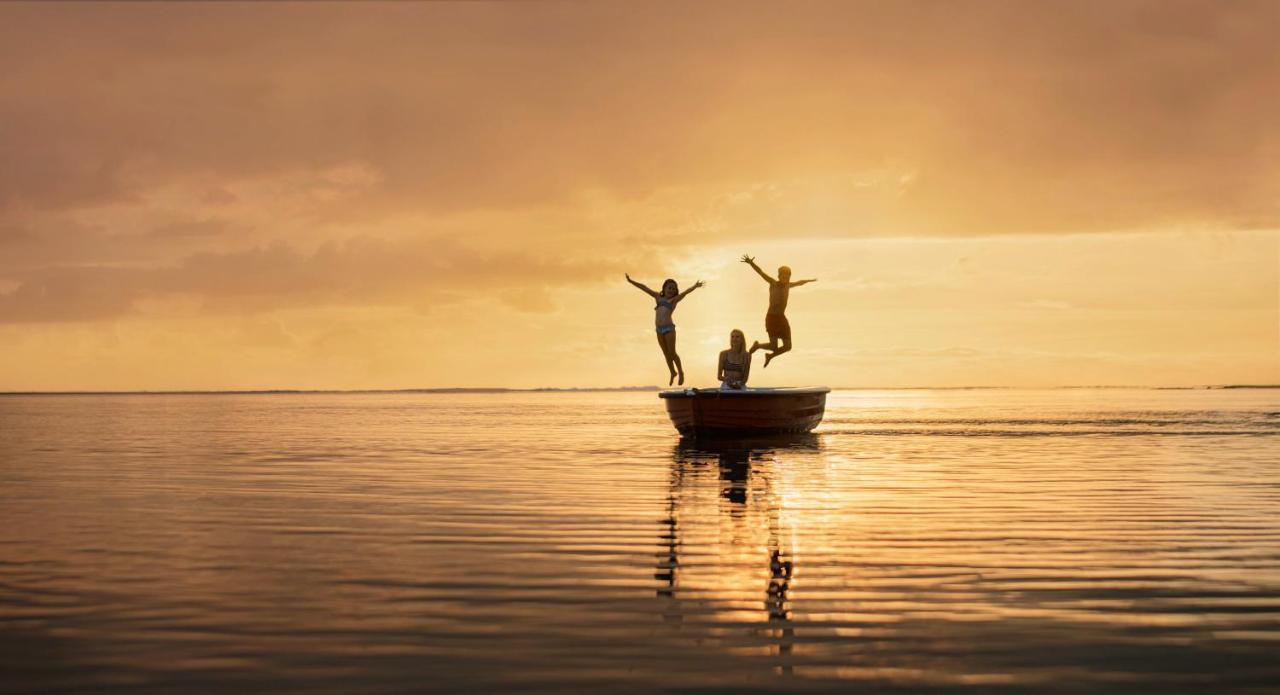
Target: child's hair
[671,282]
[784,270]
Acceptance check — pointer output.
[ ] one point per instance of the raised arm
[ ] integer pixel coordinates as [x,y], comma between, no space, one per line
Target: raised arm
[696,285]
[641,287]
[752,262]
[798,283]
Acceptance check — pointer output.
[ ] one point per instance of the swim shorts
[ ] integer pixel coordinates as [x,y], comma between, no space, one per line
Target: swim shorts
[777,326]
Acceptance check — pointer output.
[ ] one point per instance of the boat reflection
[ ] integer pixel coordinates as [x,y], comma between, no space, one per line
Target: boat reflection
[740,577]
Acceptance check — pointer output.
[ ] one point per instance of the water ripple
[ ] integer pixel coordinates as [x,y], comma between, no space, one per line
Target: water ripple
[1057,540]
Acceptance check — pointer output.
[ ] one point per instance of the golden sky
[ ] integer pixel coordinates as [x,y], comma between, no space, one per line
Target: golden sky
[358,195]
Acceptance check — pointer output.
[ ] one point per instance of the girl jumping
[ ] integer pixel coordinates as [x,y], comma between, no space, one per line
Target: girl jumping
[666,303]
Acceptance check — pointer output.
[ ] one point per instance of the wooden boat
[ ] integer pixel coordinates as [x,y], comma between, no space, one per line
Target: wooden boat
[746,412]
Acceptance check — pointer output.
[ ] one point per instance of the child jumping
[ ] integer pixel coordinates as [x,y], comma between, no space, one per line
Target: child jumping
[775,320]
[666,303]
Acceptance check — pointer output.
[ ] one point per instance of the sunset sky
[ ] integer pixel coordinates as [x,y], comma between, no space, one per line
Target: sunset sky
[245,196]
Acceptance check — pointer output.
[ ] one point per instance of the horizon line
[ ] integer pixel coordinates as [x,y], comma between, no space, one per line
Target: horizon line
[598,389]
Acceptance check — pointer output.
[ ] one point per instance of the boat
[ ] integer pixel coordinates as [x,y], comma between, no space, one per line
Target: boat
[747,412]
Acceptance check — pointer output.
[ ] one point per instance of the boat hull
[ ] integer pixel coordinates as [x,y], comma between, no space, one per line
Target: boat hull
[724,413]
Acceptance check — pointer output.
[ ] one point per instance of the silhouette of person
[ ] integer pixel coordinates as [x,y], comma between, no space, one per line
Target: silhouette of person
[775,320]
[666,327]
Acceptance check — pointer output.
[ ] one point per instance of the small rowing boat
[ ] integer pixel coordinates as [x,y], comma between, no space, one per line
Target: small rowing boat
[745,412]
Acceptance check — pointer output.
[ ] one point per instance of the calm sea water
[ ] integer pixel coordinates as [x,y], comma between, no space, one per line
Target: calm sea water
[1072,539]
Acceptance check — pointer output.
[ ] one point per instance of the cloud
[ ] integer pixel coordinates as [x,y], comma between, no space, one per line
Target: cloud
[986,117]
[70,294]
[363,270]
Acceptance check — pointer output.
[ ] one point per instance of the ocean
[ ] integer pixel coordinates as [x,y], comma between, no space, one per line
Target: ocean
[1003,539]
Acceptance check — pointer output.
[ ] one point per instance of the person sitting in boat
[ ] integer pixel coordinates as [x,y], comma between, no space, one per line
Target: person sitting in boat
[666,327]
[775,320]
[735,363]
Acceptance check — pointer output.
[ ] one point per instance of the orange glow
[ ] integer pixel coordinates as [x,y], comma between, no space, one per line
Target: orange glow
[406,195]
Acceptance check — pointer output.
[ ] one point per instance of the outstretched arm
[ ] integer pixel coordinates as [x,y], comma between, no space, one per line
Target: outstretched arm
[752,262]
[641,287]
[696,285]
[798,283]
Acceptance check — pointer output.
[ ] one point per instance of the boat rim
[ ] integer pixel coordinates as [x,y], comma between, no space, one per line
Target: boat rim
[745,393]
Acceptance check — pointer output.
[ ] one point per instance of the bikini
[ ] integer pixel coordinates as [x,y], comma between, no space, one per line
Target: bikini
[671,327]
[731,370]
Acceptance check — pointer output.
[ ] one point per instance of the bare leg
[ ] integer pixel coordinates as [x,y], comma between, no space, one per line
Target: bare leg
[671,351]
[785,347]
[666,355]
[771,345]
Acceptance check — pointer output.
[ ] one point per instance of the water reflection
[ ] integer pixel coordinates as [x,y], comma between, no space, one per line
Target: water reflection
[746,579]
[363,543]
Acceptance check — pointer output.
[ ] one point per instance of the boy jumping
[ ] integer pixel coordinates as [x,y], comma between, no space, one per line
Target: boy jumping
[775,321]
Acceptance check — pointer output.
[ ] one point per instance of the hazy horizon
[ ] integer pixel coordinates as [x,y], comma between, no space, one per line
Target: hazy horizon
[640,389]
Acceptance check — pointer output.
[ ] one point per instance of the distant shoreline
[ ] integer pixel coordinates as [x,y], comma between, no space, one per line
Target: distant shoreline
[604,389]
